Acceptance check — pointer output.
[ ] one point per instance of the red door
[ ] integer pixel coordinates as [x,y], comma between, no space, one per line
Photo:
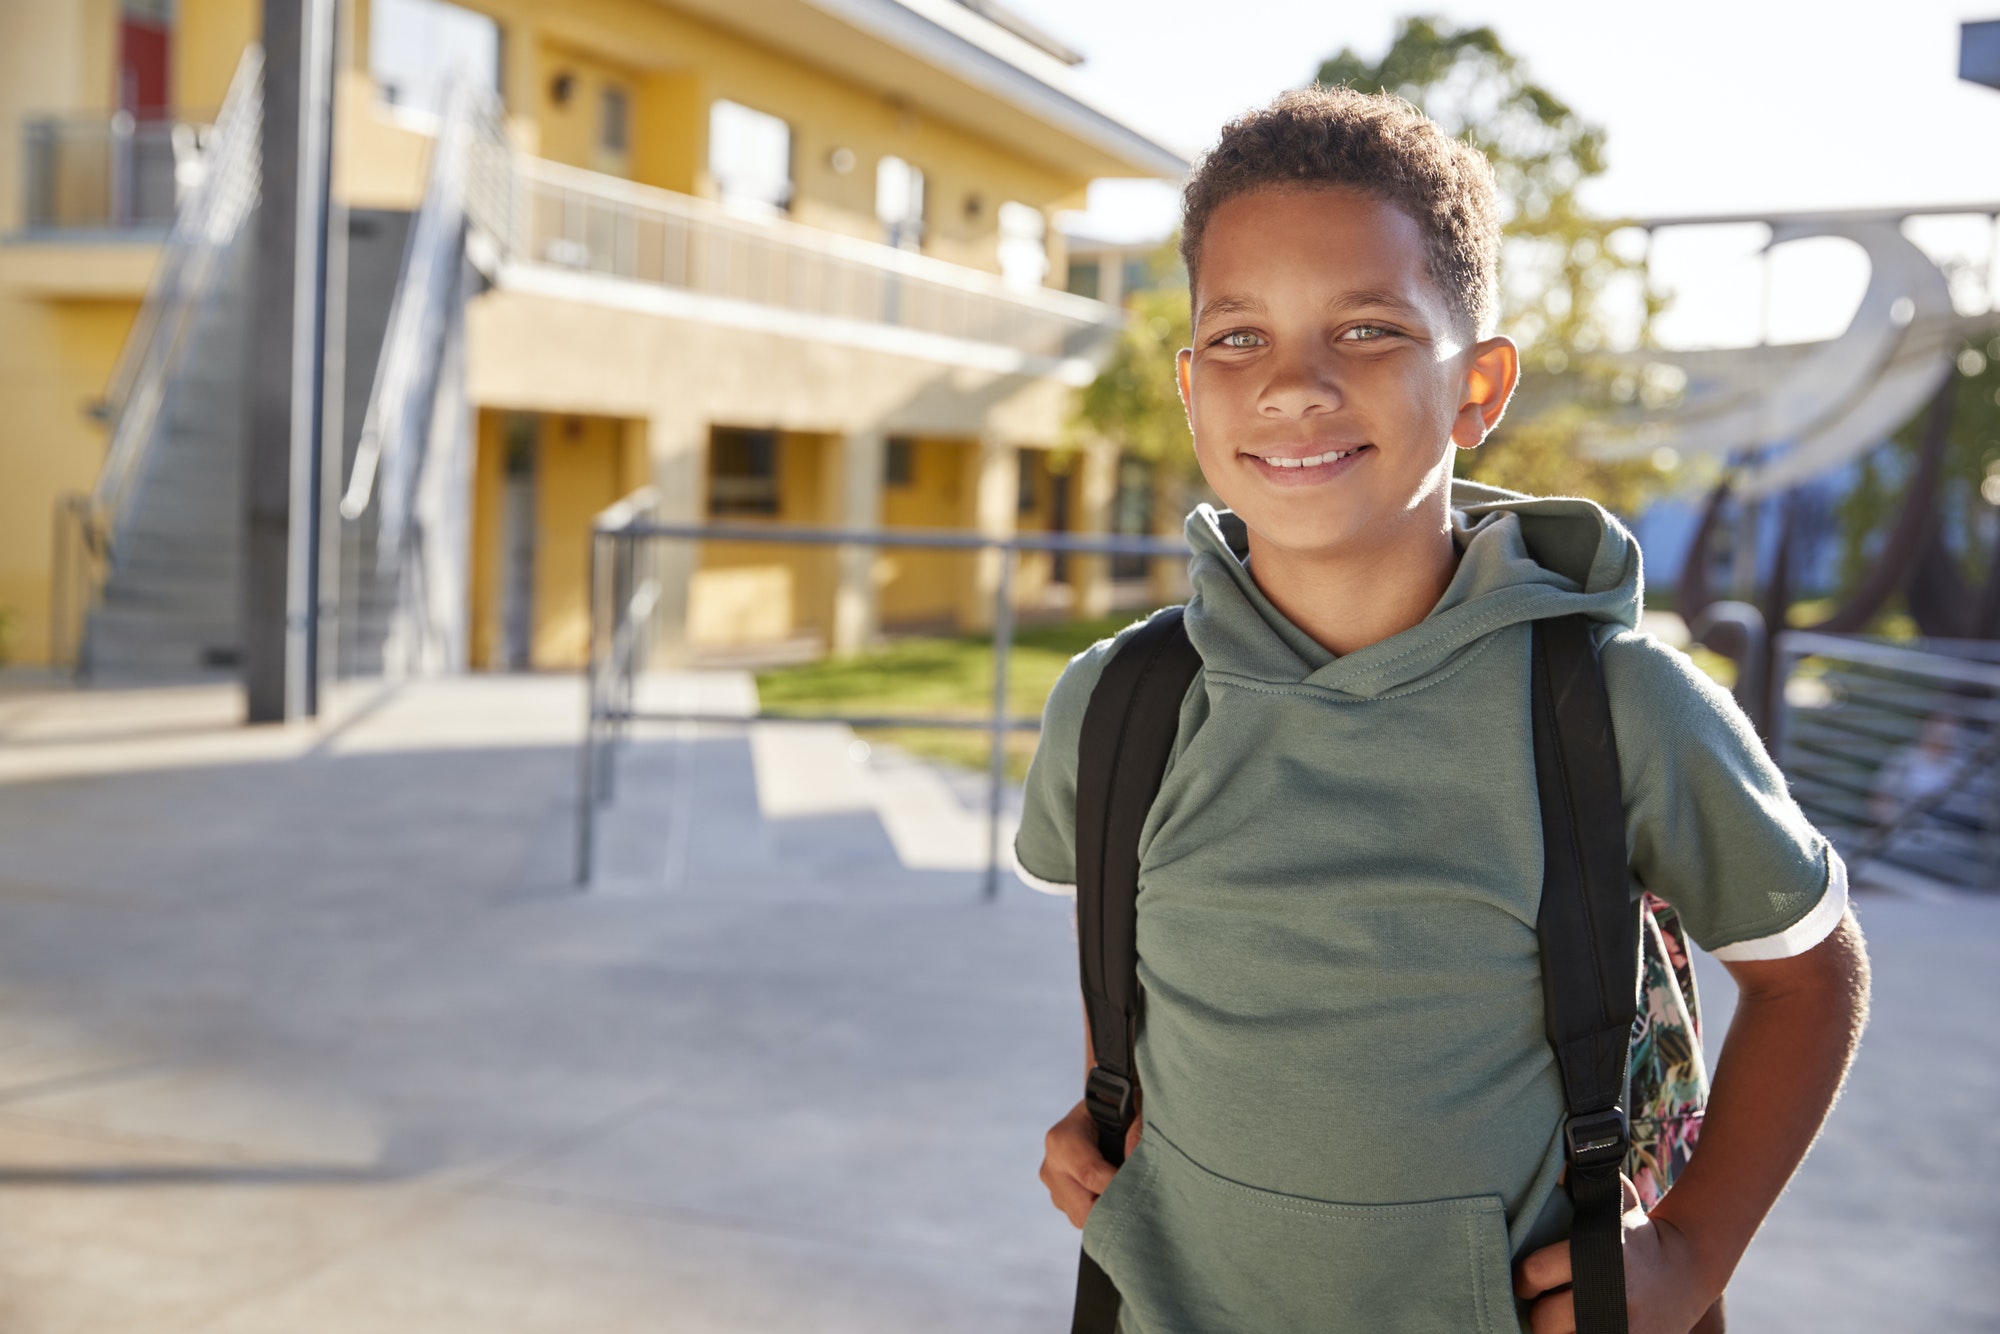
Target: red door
[145,47]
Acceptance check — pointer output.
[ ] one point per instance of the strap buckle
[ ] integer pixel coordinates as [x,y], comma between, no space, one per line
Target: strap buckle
[1597,1139]
[1108,1097]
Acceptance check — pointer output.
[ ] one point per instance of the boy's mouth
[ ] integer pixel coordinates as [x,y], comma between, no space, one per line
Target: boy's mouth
[1306,467]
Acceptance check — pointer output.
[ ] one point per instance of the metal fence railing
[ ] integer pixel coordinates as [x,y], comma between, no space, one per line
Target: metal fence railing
[1894,751]
[626,594]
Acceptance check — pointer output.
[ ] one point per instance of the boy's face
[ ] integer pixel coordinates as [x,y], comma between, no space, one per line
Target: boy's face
[1329,379]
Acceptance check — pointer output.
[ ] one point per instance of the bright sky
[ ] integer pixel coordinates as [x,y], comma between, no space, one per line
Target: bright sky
[1710,106]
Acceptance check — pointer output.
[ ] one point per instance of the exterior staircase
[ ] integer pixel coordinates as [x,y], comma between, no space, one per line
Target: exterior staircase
[171,601]
[166,519]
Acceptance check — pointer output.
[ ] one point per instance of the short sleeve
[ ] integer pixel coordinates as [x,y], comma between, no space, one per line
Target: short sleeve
[1045,846]
[1710,825]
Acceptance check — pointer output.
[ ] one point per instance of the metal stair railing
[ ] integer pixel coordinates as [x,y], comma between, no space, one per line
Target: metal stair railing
[393,429]
[465,215]
[209,223]
[210,220]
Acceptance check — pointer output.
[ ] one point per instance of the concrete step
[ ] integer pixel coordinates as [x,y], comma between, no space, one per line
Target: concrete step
[156,571]
[153,623]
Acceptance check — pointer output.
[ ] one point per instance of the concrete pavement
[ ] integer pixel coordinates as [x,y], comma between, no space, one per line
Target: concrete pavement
[304,1029]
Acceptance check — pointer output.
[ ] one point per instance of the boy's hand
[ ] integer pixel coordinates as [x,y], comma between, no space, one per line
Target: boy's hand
[1664,1293]
[1072,1168]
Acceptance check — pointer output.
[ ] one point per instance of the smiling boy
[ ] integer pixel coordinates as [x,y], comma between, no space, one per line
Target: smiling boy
[1351,1115]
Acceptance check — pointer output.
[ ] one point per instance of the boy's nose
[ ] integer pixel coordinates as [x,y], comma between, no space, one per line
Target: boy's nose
[1301,385]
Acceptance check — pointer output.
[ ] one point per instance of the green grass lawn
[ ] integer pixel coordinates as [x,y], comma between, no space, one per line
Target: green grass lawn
[952,676]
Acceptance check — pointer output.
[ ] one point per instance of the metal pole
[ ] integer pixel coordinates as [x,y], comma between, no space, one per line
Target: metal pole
[614,690]
[59,585]
[628,588]
[119,195]
[586,799]
[281,570]
[1003,643]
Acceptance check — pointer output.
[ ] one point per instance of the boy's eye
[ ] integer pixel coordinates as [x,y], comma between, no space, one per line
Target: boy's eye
[1367,333]
[1239,338]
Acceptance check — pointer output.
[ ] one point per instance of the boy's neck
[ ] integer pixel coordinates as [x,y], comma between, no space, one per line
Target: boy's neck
[1347,599]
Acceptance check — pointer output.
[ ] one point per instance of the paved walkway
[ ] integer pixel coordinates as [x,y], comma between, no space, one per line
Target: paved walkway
[304,1030]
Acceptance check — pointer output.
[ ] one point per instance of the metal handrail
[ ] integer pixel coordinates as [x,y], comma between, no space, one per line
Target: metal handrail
[427,289]
[76,570]
[615,640]
[207,224]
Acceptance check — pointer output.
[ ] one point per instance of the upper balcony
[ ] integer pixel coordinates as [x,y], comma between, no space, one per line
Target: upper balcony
[113,175]
[584,235]
[593,237]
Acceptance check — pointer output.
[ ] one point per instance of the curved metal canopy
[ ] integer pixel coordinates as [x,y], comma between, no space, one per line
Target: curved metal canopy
[1802,411]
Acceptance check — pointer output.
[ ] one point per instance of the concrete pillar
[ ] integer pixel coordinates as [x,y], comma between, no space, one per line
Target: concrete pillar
[857,601]
[678,450]
[521,83]
[1094,492]
[282,493]
[993,498]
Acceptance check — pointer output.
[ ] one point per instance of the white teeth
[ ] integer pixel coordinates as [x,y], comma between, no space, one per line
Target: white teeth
[1311,460]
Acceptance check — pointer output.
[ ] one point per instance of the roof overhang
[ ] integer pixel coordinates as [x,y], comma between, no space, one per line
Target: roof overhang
[940,58]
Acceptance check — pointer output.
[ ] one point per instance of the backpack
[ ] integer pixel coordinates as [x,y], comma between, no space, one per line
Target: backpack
[1598,955]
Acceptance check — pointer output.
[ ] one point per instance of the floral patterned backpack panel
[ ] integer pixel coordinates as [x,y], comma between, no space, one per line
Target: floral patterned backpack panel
[1669,1088]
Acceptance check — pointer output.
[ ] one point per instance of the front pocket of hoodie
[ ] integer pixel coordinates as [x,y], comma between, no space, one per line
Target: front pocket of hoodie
[1196,1253]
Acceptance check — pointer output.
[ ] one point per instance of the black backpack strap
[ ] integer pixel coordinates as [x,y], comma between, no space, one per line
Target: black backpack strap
[1589,933]
[1128,735]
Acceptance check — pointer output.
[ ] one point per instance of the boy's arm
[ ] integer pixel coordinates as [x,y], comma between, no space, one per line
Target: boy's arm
[1072,1168]
[1797,1024]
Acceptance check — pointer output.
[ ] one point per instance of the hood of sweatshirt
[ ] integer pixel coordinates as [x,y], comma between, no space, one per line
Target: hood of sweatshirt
[1521,558]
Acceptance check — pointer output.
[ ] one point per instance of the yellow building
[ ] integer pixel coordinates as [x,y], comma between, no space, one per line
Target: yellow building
[785,261]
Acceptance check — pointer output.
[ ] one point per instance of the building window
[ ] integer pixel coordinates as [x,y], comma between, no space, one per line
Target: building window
[614,128]
[1132,514]
[1024,248]
[415,47]
[742,472]
[1025,498]
[750,157]
[899,203]
[899,461]
[1138,275]
[1083,278]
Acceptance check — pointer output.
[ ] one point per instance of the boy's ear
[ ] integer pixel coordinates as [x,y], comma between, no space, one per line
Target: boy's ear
[1490,377]
[1183,381]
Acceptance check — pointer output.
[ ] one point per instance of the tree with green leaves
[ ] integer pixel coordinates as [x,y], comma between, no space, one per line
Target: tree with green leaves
[1555,271]
[1557,261]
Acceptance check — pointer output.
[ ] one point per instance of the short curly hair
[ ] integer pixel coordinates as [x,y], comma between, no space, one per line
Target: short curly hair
[1376,143]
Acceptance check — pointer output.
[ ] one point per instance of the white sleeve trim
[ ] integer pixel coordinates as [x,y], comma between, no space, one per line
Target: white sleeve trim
[1035,882]
[1803,934]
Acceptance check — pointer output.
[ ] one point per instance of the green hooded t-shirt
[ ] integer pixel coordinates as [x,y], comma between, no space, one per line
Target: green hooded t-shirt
[1351,1109]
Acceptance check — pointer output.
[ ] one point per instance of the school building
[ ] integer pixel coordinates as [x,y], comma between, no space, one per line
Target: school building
[782,261]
